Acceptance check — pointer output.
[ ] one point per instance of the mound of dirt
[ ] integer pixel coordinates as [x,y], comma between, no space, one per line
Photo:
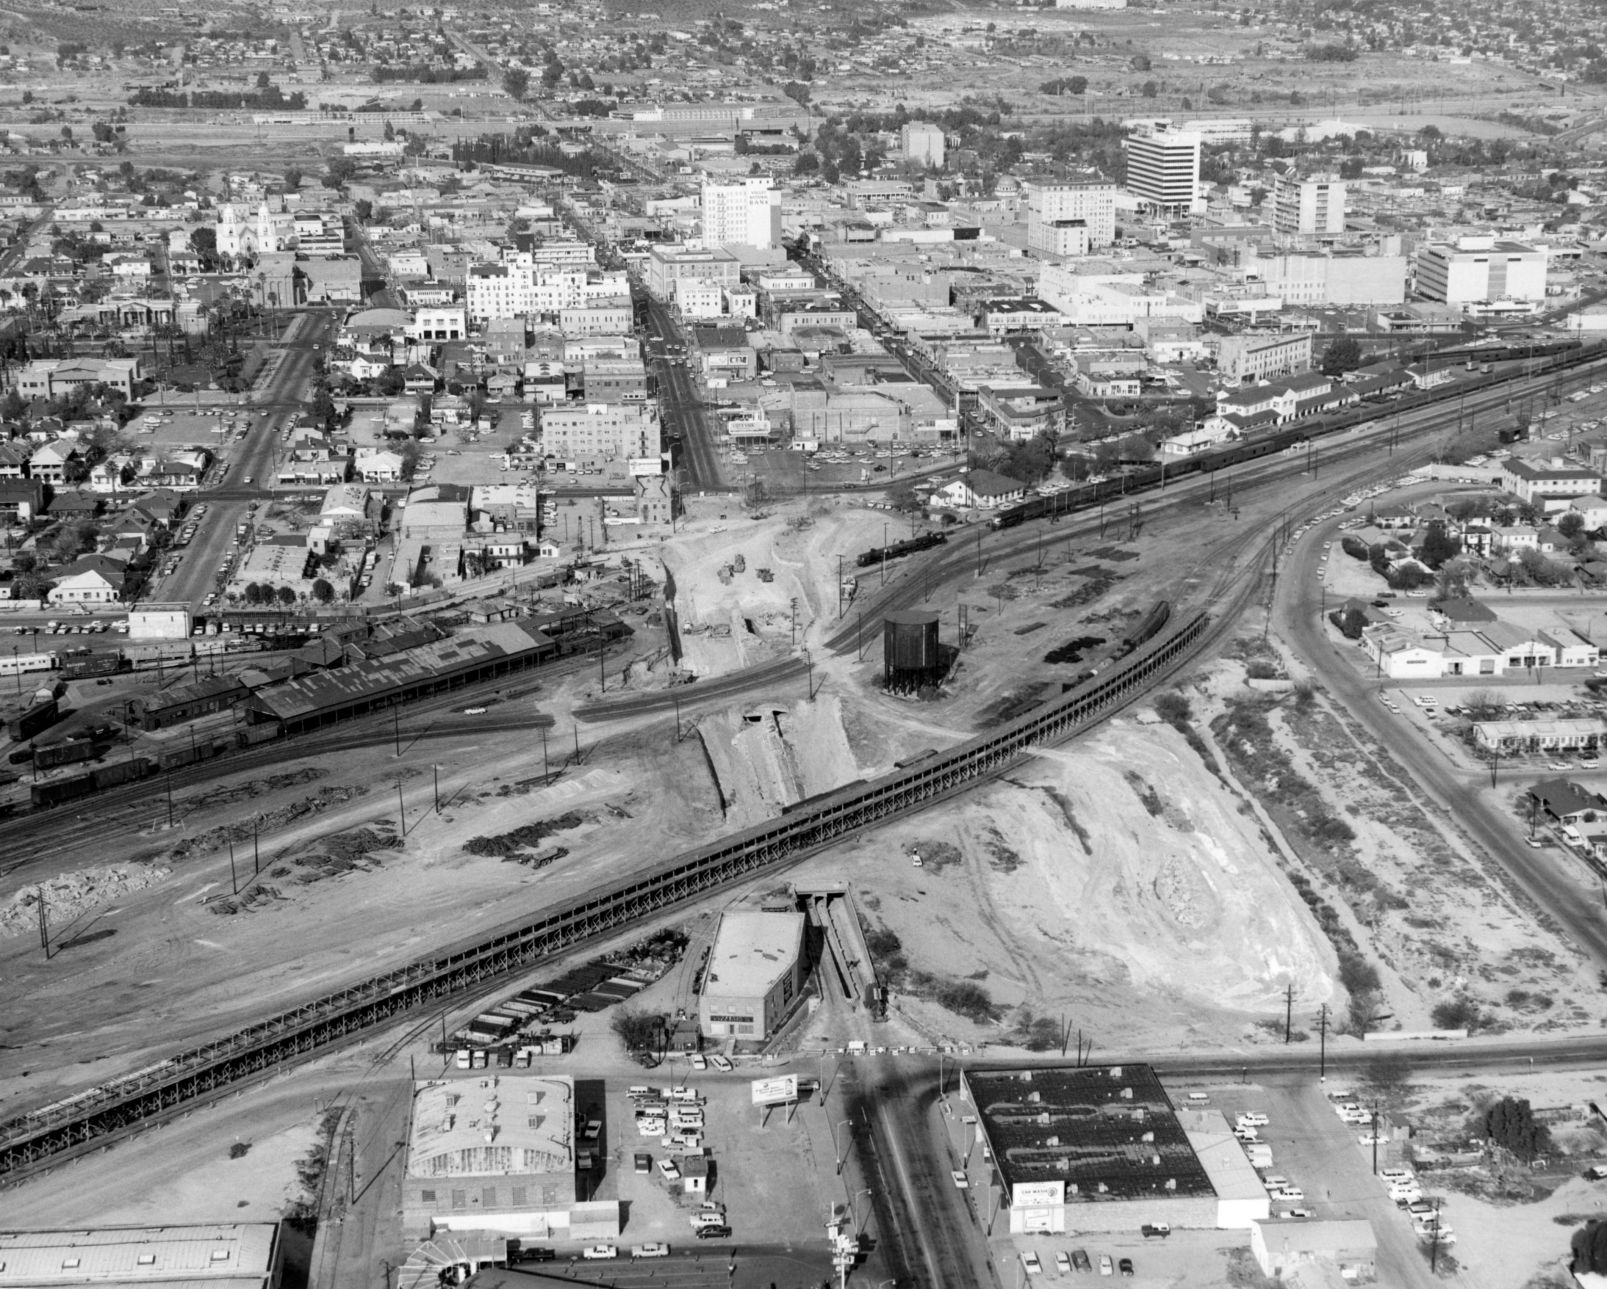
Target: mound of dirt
[1118,876]
[70,895]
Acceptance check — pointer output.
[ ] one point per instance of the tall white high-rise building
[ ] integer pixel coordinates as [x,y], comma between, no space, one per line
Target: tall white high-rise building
[744,213]
[1070,217]
[1308,207]
[922,142]
[1163,169]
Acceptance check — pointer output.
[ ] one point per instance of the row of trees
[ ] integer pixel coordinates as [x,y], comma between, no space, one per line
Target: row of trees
[258,593]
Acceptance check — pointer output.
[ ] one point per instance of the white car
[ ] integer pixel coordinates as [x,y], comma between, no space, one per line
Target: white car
[668,1170]
[698,1063]
[1030,1261]
[723,1064]
[1395,1174]
[651,1251]
[598,1251]
[961,1181]
[1296,1214]
[1252,1119]
[1289,1194]
[1372,1139]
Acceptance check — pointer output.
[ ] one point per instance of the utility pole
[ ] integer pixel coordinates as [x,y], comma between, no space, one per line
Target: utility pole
[1288,1012]
[234,879]
[44,925]
[256,848]
[1322,1050]
[436,769]
[577,745]
[170,798]
[396,720]
[401,810]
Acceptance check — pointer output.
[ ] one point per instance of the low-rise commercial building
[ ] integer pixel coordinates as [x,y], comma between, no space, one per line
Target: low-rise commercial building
[1101,1148]
[224,1255]
[755,973]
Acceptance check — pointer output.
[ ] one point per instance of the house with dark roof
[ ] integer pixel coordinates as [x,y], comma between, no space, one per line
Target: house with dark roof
[21,500]
[1461,612]
[1567,802]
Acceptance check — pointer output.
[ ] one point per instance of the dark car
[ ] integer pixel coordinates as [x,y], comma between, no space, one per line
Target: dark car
[713,1233]
[1079,1259]
[1125,1266]
[535,1254]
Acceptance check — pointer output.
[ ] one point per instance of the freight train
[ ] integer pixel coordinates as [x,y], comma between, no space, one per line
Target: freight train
[1138,477]
[880,554]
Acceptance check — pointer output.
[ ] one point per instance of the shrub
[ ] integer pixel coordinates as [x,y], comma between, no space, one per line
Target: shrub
[1357,975]
[1174,709]
[641,1032]
[968,999]
[1456,1013]
[1510,1124]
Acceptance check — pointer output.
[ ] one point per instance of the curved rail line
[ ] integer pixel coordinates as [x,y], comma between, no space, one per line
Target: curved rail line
[79,1123]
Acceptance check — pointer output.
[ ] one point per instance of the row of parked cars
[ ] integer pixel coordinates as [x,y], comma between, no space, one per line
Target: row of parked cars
[1077,1260]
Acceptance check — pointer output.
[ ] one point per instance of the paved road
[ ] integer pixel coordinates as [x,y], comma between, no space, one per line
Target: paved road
[272,406]
[680,406]
[1453,790]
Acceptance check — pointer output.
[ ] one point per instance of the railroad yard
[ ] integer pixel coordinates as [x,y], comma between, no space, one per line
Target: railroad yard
[676,648]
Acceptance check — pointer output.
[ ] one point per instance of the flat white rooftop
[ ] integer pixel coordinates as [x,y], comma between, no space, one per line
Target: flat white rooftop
[752,950]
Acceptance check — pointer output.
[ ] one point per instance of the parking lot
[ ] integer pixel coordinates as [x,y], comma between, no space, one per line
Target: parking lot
[765,1174]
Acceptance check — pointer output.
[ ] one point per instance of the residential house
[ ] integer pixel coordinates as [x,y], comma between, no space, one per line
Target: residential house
[51,462]
[981,490]
[21,500]
[14,456]
[1566,801]
[92,579]
[378,466]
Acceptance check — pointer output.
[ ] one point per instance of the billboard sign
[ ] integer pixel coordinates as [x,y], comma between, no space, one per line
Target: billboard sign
[778,1091]
[1038,1194]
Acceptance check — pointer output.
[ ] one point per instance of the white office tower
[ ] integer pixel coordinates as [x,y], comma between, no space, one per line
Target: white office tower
[922,143]
[1070,217]
[744,213]
[1308,207]
[1163,169]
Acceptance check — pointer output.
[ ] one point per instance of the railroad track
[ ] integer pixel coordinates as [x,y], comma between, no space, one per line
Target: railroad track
[89,1120]
[83,1122]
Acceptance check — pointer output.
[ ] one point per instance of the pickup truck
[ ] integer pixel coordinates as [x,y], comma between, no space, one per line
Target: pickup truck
[1156,1230]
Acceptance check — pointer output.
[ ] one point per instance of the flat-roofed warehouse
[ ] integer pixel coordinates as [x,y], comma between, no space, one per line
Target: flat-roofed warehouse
[755,973]
[1101,1148]
[497,1154]
[232,1255]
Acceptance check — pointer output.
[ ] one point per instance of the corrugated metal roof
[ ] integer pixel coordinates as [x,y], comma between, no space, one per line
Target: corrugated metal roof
[221,1255]
[308,695]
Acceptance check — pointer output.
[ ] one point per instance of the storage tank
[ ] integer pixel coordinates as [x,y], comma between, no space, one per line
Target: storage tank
[911,656]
